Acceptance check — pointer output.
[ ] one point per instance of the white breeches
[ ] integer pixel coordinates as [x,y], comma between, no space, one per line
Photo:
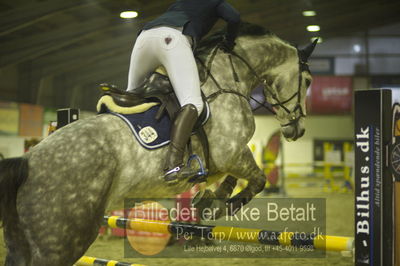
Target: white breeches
[168,47]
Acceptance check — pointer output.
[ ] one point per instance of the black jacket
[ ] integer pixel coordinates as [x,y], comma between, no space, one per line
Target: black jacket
[197,17]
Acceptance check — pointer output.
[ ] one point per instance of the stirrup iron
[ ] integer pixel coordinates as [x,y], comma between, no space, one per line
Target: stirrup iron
[201,174]
[195,176]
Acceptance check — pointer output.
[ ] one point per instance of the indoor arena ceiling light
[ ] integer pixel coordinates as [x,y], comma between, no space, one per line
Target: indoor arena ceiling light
[128,14]
[313,28]
[357,48]
[309,13]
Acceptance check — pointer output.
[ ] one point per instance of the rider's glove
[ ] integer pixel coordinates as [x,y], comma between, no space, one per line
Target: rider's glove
[227,46]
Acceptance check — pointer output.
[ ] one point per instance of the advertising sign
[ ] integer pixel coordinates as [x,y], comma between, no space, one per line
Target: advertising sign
[331,95]
[373,180]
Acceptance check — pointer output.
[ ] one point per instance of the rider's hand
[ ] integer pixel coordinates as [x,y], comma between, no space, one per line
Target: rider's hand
[226,46]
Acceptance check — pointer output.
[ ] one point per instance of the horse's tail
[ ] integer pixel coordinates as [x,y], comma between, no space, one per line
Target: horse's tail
[13,172]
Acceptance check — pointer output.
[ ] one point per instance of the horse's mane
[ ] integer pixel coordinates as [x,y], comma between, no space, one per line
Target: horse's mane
[245,29]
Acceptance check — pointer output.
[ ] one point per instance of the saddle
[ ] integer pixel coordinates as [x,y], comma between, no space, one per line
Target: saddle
[155,90]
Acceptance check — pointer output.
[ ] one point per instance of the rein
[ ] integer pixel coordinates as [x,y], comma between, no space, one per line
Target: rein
[220,91]
[211,97]
[293,119]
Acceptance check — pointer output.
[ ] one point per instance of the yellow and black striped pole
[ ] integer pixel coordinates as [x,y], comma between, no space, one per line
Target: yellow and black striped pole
[89,261]
[322,242]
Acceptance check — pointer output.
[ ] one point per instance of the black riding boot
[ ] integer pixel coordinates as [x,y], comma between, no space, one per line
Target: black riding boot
[180,133]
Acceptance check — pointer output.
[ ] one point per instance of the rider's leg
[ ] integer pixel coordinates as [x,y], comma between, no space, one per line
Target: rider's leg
[179,61]
[144,58]
[180,134]
[180,64]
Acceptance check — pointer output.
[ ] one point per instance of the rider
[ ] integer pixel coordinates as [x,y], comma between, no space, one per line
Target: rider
[168,40]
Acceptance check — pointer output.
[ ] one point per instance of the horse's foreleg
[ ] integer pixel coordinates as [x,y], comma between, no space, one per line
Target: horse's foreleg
[246,168]
[206,198]
[226,188]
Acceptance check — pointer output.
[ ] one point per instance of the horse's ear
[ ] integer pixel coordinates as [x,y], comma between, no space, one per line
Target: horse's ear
[307,51]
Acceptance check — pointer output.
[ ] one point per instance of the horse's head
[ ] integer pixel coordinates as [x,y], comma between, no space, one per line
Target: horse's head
[285,89]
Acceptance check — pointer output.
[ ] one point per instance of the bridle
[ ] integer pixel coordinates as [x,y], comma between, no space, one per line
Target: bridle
[293,119]
[303,66]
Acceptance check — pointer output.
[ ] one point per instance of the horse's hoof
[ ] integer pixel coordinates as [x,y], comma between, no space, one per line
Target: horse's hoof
[236,203]
[203,199]
[208,206]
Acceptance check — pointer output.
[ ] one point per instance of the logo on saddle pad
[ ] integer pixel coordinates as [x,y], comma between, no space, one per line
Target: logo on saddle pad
[148,134]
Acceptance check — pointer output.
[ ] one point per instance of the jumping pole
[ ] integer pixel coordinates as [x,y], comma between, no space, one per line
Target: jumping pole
[91,261]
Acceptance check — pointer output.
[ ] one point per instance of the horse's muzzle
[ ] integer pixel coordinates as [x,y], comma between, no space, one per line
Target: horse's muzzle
[293,131]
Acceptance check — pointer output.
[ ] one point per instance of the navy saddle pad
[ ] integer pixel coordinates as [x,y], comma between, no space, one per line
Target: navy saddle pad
[149,132]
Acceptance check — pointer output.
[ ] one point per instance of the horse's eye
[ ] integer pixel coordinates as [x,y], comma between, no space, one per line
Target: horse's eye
[308,83]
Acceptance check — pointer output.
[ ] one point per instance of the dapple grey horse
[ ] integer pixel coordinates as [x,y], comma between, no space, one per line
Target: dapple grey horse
[52,199]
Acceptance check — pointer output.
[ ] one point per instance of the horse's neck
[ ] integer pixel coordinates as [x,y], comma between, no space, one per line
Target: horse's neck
[264,53]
